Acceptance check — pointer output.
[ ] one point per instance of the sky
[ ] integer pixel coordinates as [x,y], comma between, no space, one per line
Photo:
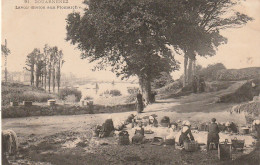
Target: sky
[26,29]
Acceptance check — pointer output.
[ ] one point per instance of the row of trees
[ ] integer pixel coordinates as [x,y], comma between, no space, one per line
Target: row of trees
[136,37]
[45,67]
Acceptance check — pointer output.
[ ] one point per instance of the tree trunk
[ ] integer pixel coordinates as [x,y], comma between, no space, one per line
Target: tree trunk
[6,68]
[49,79]
[58,78]
[185,70]
[53,80]
[190,71]
[147,91]
[145,85]
[194,68]
[37,76]
[45,79]
[32,75]
[42,79]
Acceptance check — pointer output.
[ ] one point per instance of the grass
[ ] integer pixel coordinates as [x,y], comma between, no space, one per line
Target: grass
[36,110]
[19,92]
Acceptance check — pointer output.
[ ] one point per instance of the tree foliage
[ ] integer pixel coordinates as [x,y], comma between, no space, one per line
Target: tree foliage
[133,36]
[163,80]
[63,93]
[5,50]
[200,26]
[210,72]
[127,35]
[46,65]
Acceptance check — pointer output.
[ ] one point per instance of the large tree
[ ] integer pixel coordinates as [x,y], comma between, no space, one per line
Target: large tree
[40,64]
[60,62]
[200,29]
[128,36]
[49,58]
[46,59]
[35,63]
[30,64]
[54,56]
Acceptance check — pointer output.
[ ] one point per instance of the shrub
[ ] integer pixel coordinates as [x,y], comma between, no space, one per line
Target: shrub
[71,98]
[210,72]
[163,79]
[88,98]
[172,87]
[113,92]
[19,92]
[132,91]
[63,93]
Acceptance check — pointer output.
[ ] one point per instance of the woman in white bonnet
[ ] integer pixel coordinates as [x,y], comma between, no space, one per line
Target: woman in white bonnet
[186,134]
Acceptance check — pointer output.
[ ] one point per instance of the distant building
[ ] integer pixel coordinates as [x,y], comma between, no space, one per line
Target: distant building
[22,77]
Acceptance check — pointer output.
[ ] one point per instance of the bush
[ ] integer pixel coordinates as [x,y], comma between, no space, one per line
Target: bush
[210,72]
[88,98]
[163,80]
[172,87]
[19,92]
[71,98]
[132,91]
[113,92]
[63,93]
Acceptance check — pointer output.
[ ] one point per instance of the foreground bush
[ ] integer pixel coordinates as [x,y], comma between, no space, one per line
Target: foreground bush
[63,93]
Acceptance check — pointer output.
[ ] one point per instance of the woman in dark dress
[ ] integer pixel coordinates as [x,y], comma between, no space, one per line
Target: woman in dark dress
[139,102]
[213,134]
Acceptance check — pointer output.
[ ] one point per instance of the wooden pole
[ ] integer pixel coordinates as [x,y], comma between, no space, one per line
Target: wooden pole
[5,62]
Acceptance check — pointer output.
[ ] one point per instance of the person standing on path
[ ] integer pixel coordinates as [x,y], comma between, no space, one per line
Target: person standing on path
[213,133]
[139,102]
[202,84]
[195,84]
[256,124]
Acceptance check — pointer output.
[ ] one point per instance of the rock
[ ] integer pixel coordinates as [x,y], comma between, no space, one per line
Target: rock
[27,103]
[14,103]
[51,102]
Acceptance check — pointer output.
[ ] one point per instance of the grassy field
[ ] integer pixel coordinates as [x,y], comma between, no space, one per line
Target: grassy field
[19,93]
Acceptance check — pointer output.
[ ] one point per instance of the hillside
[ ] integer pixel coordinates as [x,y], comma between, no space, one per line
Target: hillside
[237,85]
[238,74]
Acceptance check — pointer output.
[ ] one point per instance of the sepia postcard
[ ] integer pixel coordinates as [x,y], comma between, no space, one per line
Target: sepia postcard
[130,82]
